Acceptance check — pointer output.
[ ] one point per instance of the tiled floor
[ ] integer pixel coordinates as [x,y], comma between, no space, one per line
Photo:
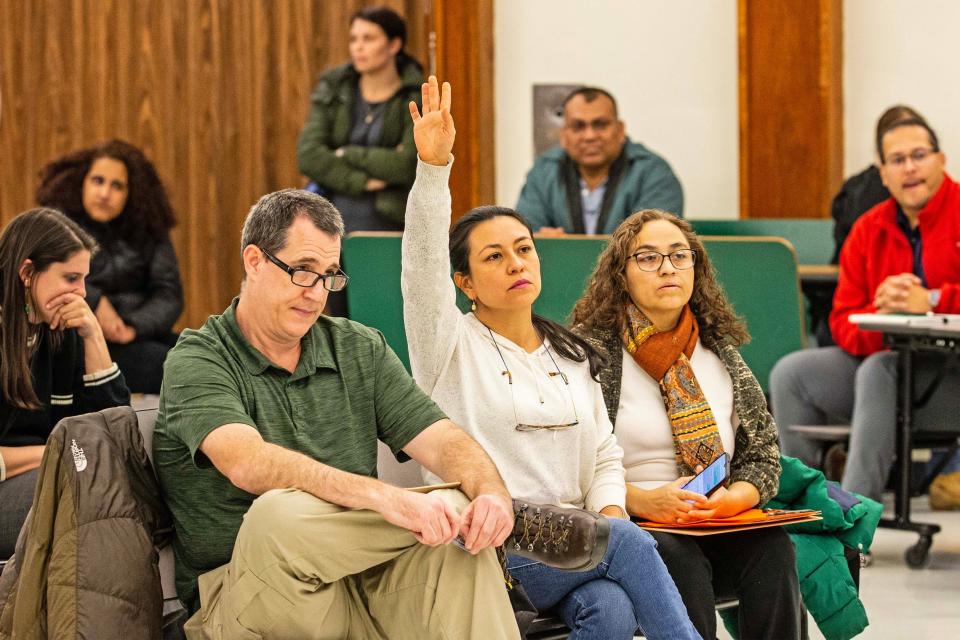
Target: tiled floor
[915,604]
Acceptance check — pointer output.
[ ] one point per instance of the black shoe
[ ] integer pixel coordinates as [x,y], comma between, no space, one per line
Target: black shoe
[569,539]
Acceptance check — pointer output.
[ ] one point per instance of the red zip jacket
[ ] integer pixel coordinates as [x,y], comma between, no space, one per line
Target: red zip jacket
[877,248]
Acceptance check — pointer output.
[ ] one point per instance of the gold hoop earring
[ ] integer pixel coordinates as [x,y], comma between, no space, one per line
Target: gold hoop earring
[473,305]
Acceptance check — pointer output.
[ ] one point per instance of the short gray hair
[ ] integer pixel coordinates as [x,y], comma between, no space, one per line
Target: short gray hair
[269,219]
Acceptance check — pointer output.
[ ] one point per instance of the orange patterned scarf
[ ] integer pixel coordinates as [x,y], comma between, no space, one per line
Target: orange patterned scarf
[665,356]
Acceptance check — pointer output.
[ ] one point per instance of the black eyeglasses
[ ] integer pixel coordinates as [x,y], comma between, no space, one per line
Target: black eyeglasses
[522,426]
[652,260]
[307,279]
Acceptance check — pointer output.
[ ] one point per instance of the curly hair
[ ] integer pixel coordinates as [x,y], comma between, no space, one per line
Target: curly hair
[601,306]
[147,213]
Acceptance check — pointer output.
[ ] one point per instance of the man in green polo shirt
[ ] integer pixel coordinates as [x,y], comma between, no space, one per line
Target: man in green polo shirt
[273,399]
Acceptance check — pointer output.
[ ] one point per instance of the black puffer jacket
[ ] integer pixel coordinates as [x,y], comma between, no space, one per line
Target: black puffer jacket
[86,560]
[142,281]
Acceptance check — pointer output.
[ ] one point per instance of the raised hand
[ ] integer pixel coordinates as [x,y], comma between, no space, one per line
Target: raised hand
[433,132]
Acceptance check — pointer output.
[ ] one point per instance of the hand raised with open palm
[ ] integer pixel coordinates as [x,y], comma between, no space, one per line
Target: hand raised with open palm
[433,131]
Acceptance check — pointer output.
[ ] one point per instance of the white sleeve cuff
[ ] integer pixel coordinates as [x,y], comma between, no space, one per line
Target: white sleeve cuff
[3,469]
[100,377]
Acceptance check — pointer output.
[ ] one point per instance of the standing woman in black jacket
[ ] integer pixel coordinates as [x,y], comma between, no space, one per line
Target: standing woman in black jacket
[54,360]
[112,190]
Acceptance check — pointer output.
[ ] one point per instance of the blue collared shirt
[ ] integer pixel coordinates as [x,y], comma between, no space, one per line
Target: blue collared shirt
[591,201]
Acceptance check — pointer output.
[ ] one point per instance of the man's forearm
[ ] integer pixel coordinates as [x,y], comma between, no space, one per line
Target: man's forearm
[280,468]
[465,461]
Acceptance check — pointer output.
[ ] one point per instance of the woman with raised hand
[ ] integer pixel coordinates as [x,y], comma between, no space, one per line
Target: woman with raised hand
[679,394]
[525,388]
[113,191]
[54,361]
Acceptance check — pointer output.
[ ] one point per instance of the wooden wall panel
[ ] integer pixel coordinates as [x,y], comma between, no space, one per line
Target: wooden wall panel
[214,91]
[464,52]
[791,101]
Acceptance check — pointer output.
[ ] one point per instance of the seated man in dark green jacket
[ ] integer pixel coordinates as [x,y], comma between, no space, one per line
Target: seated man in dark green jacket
[597,177]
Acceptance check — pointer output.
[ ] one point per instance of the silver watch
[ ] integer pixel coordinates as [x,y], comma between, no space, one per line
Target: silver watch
[933,298]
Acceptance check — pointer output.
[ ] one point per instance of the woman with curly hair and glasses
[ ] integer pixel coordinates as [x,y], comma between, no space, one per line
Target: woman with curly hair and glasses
[679,395]
[113,191]
[54,361]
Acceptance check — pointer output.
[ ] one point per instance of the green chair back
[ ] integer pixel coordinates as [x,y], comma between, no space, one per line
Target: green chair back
[812,238]
[759,275]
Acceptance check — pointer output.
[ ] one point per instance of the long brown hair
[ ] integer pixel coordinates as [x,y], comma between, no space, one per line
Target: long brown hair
[602,305]
[147,214]
[43,236]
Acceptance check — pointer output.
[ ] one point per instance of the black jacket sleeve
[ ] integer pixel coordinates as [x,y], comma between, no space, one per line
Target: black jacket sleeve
[155,317]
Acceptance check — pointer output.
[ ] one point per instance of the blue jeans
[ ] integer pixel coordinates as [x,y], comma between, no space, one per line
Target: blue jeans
[630,588]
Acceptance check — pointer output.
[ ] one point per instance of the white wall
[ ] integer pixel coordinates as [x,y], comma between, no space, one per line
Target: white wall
[900,52]
[671,66]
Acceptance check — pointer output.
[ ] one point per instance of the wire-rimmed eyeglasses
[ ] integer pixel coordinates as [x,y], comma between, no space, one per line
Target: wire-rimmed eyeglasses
[523,426]
[307,278]
[653,260]
[899,160]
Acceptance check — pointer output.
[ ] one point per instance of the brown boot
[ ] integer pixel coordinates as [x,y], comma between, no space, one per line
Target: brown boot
[945,492]
[570,539]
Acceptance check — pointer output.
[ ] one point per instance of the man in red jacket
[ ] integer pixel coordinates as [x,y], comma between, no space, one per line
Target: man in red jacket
[901,256]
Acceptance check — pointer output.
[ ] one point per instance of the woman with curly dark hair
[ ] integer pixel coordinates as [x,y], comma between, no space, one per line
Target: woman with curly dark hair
[113,191]
[680,395]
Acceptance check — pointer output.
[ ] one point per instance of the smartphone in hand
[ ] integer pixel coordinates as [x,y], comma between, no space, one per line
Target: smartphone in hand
[708,480]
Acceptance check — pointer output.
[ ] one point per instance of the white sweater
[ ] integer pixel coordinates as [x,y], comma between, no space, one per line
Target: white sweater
[643,428]
[455,361]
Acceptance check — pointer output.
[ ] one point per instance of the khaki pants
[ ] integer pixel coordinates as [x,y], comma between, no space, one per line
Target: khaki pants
[304,568]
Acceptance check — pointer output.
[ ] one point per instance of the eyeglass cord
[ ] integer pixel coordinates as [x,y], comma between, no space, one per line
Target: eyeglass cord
[506,369]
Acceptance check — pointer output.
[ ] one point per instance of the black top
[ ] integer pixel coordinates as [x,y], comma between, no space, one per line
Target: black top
[58,380]
[359,211]
[859,194]
[916,243]
[141,280]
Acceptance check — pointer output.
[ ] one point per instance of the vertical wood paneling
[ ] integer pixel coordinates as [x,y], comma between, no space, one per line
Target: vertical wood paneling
[791,120]
[469,69]
[214,91]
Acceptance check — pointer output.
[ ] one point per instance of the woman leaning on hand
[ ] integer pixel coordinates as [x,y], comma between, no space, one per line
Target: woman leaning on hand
[54,361]
[113,191]
[679,394]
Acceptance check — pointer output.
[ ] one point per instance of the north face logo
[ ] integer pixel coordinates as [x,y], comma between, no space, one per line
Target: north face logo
[79,460]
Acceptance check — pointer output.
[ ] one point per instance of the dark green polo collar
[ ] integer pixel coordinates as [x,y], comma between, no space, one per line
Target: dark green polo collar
[315,350]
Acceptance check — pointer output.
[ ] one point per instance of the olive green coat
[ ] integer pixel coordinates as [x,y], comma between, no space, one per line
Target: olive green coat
[393,160]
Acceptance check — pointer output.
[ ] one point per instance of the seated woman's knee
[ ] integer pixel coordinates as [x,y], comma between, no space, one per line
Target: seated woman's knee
[601,606]
[627,536]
